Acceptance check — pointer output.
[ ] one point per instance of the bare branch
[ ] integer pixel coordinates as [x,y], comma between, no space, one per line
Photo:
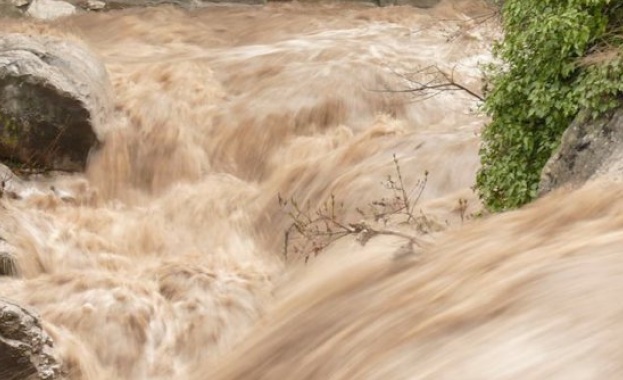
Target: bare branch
[451,81]
[312,231]
[438,81]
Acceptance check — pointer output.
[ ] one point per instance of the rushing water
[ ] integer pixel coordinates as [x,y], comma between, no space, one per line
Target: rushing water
[158,261]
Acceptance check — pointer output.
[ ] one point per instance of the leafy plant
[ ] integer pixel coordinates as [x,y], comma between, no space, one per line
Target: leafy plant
[542,82]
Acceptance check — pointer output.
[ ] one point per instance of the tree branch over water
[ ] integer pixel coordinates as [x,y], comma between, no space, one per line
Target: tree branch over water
[430,81]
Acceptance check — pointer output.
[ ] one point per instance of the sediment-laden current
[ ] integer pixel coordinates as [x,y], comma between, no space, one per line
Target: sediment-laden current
[166,258]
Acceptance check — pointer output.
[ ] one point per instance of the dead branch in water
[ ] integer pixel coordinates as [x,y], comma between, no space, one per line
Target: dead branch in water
[312,230]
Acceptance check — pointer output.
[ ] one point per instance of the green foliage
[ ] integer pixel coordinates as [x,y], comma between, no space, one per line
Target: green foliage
[543,80]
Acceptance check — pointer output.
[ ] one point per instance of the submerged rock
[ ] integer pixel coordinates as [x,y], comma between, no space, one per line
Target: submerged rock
[54,97]
[588,149]
[25,349]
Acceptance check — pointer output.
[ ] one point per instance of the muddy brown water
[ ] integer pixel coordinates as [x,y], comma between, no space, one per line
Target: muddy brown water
[164,260]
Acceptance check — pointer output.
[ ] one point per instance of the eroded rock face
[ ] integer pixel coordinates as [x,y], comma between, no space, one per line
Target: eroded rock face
[588,149]
[54,98]
[25,349]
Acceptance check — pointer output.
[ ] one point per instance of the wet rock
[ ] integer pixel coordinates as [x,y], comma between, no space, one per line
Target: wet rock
[7,264]
[20,3]
[10,187]
[95,5]
[50,9]
[54,98]
[26,351]
[588,149]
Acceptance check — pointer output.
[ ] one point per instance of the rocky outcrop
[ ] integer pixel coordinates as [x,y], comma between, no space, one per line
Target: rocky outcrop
[588,149]
[54,98]
[26,351]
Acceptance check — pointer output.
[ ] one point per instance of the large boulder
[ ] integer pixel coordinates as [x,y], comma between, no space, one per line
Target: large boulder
[26,351]
[588,149]
[54,98]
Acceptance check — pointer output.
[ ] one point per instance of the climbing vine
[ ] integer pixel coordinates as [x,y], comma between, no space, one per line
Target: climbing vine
[557,57]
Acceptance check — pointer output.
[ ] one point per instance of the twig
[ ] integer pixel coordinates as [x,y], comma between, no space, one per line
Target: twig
[440,82]
[311,232]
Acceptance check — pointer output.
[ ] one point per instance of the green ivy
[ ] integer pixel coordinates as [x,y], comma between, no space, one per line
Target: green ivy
[540,86]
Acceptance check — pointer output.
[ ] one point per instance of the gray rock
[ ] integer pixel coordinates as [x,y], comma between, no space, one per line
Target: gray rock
[588,149]
[50,9]
[54,98]
[26,351]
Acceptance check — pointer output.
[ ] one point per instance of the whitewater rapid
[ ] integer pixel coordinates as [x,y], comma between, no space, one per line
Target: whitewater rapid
[168,249]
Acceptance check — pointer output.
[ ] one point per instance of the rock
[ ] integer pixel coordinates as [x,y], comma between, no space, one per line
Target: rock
[20,3]
[11,186]
[95,5]
[7,264]
[50,9]
[588,149]
[26,351]
[54,98]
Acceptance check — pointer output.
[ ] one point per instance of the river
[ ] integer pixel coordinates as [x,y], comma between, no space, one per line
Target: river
[170,248]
